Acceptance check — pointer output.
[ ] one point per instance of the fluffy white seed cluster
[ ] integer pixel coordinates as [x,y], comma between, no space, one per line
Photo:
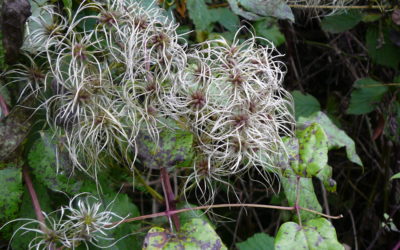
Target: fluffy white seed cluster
[233,101]
[109,66]
[116,69]
[85,220]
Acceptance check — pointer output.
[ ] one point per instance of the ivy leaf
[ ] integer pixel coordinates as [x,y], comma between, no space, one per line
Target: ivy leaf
[366,95]
[257,241]
[381,49]
[195,234]
[257,9]
[51,165]
[307,196]
[269,29]
[313,150]
[174,146]
[337,138]
[315,234]
[304,104]
[10,192]
[341,22]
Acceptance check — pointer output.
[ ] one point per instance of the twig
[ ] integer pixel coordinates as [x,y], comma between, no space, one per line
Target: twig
[149,189]
[301,6]
[353,224]
[32,193]
[325,197]
[149,216]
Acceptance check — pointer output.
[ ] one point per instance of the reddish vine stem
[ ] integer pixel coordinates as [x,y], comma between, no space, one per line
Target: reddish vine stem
[169,198]
[32,193]
[149,216]
[3,106]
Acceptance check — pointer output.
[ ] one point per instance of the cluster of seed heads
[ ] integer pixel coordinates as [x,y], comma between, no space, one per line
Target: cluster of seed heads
[233,101]
[116,69]
[83,221]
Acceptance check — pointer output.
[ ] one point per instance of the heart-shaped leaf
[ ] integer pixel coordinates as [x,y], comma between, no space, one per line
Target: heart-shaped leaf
[315,234]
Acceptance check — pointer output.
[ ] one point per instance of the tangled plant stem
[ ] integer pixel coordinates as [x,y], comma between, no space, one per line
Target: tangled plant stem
[149,216]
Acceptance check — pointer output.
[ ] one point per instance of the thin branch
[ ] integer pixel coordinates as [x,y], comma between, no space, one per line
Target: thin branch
[32,193]
[301,6]
[149,216]
[149,189]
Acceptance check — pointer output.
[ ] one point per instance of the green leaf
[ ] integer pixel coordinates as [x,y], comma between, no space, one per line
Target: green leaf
[315,234]
[257,9]
[10,192]
[366,95]
[268,28]
[381,49]
[313,150]
[122,205]
[369,17]
[200,15]
[307,196]
[325,175]
[304,105]
[257,241]
[226,18]
[396,176]
[341,22]
[51,164]
[174,146]
[289,160]
[195,234]
[67,4]
[337,138]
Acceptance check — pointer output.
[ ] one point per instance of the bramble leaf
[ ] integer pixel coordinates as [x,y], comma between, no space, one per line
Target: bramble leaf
[341,22]
[366,95]
[268,28]
[304,104]
[381,49]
